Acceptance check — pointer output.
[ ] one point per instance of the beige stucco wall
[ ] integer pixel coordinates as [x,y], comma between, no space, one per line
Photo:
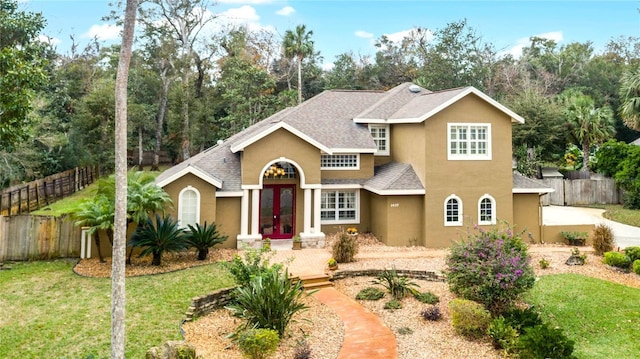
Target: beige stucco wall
[527,216]
[379,217]
[280,143]
[228,220]
[397,220]
[425,146]
[551,233]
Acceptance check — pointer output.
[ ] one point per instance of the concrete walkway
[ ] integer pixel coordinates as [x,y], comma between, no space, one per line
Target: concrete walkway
[625,235]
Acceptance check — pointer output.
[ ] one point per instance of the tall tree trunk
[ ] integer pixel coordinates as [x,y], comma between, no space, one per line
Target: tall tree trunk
[118,297]
[299,80]
[162,109]
[186,143]
[140,150]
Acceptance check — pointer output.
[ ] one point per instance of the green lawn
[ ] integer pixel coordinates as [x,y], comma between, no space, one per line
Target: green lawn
[616,212]
[603,318]
[47,311]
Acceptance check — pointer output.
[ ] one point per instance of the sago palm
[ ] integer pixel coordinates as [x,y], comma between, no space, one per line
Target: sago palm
[158,238]
[203,237]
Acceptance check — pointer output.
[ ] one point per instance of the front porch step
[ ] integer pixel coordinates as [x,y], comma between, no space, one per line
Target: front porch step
[316,281]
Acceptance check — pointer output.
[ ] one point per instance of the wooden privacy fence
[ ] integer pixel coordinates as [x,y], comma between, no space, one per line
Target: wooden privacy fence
[27,237]
[34,195]
[577,192]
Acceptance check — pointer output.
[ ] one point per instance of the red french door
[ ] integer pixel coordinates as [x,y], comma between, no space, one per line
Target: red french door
[277,208]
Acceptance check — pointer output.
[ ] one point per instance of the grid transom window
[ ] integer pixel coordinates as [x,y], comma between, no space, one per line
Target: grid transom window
[380,134]
[339,206]
[486,210]
[349,161]
[453,211]
[469,141]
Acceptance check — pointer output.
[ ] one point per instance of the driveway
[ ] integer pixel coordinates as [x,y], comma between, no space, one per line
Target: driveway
[625,235]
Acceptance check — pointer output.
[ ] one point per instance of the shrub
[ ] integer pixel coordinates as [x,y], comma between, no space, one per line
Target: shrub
[370,293]
[405,331]
[432,313]
[393,304]
[303,350]
[469,318]
[543,341]
[575,238]
[397,285]
[520,318]
[633,253]
[503,335]
[490,267]
[269,300]
[636,266]
[576,258]
[616,259]
[163,236]
[255,263]
[544,263]
[203,237]
[345,248]
[426,297]
[258,343]
[602,239]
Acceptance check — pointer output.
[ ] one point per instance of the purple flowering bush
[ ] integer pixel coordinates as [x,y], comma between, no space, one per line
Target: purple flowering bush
[491,267]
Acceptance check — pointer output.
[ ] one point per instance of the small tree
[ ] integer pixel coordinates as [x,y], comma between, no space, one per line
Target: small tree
[490,267]
[163,236]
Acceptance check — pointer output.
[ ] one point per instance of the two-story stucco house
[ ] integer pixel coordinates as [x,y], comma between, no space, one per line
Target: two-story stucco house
[411,166]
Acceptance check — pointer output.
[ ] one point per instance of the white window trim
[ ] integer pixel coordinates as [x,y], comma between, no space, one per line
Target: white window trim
[188,188]
[387,139]
[468,156]
[493,210]
[457,223]
[345,221]
[354,168]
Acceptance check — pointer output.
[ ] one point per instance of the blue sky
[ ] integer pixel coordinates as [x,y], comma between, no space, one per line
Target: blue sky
[353,25]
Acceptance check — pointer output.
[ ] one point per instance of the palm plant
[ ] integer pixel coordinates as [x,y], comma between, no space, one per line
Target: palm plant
[163,236]
[203,237]
[630,96]
[97,214]
[590,125]
[298,45]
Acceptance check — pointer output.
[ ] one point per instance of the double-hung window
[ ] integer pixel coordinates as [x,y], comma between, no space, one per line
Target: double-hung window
[469,141]
[380,134]
[339,206]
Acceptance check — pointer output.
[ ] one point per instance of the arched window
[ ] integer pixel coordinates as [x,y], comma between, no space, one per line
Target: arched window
[453,211]
[188,207]
[486,210]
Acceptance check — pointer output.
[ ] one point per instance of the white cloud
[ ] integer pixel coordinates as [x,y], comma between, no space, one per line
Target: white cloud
[49,40]
[398,36]
[364,34]
[241,15]
[286,11]
[516,50]
[253,2]
[103,32]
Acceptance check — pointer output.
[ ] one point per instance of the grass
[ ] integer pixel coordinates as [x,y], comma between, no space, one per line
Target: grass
[47,311]
[603,318]
[616,212]
[69,204]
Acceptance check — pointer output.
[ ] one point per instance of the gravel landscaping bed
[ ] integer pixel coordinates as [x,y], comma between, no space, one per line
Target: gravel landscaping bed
[323,330]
